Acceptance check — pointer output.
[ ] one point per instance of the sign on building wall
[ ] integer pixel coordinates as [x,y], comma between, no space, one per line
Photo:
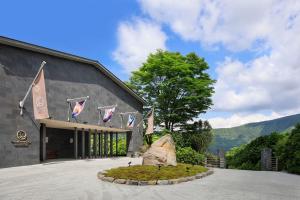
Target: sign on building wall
[21,139]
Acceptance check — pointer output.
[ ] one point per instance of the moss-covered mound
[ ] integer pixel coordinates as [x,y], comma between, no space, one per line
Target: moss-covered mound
[146,173]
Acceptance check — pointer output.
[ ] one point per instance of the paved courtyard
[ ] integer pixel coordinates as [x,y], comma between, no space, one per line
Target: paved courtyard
[78,180]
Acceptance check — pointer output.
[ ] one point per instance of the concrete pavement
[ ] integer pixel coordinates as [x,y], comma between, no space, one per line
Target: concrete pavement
[77,180]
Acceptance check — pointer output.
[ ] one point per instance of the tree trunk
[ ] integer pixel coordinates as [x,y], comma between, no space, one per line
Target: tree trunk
[167,125]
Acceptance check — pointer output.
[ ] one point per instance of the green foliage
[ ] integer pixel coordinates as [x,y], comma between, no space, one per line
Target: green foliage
[121,146]
[149,139]
[227,138]
[233,152]
[279,150]
[291,153]
[176,85]
[189,156]
[179,139]
[149,172]
[249,166]
[286,147]
[155,137]
[197,136]
[248,156]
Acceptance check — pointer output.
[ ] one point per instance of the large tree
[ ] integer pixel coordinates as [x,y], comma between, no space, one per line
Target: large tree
[177,86]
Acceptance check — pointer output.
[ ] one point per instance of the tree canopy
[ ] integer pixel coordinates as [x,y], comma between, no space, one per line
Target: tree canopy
[177,86]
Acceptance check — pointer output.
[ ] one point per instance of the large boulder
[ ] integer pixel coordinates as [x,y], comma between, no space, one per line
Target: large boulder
[161,152]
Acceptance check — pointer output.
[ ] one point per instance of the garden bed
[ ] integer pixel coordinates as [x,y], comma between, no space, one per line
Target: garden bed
[153,175]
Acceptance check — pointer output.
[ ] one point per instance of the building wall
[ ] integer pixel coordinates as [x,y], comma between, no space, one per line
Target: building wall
[64,79]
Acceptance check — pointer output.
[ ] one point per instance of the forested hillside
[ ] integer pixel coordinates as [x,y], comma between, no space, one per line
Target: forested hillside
[226,138]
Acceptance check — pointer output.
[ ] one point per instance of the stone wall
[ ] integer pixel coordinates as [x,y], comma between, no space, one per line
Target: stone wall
[64,79]
[266,159]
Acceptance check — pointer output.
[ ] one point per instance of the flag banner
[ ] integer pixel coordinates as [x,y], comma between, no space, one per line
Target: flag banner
[39,97]
[150,123]
[108,114]
[131,120]
[79,106]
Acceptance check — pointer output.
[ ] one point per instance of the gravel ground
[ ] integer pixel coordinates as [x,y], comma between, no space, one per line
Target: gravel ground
[78,180]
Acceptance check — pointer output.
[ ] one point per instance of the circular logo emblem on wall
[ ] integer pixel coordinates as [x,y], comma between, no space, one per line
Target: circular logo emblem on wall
[21,139]
[21,135]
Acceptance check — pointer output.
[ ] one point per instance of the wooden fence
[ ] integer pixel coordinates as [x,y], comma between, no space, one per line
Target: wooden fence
[274,164]
[215,162]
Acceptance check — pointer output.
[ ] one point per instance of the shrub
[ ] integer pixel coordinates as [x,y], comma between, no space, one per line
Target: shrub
[249,165]
[149,172]
[178,139]
[189,156]
[292,151]
[232,156]
[198,136]
[280,151]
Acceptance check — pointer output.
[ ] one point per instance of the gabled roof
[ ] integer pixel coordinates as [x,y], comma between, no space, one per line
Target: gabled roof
[52,52]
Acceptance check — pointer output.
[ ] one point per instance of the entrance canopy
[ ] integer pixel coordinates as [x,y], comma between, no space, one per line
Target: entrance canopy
[51,123]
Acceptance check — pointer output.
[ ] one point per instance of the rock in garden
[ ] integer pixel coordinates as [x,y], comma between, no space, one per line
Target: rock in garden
[161,152]
[120,181]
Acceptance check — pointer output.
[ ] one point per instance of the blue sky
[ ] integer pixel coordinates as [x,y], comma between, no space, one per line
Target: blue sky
[85,28]
[252,56]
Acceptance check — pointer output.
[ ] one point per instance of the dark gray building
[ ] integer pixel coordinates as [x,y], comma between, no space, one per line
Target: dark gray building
[66,76]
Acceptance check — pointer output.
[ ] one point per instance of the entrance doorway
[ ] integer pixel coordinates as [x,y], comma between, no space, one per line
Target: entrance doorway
[70,142]
[59,143]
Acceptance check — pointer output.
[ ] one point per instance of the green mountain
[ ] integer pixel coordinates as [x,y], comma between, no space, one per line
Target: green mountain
[226,138]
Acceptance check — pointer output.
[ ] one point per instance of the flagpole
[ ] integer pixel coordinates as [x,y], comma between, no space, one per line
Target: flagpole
[21,103]
[104,107]
[121,121]
[78,99]
[124,113]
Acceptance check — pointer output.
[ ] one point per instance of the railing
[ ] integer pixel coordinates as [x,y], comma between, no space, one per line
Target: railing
[217,162]
[274,161]
[212,162]
[222,162]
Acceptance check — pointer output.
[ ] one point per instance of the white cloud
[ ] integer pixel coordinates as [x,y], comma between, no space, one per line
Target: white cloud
[180,15]
[266,83]
[268,28]
[235,24]
[270,81]
[238,119]
[136,39]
